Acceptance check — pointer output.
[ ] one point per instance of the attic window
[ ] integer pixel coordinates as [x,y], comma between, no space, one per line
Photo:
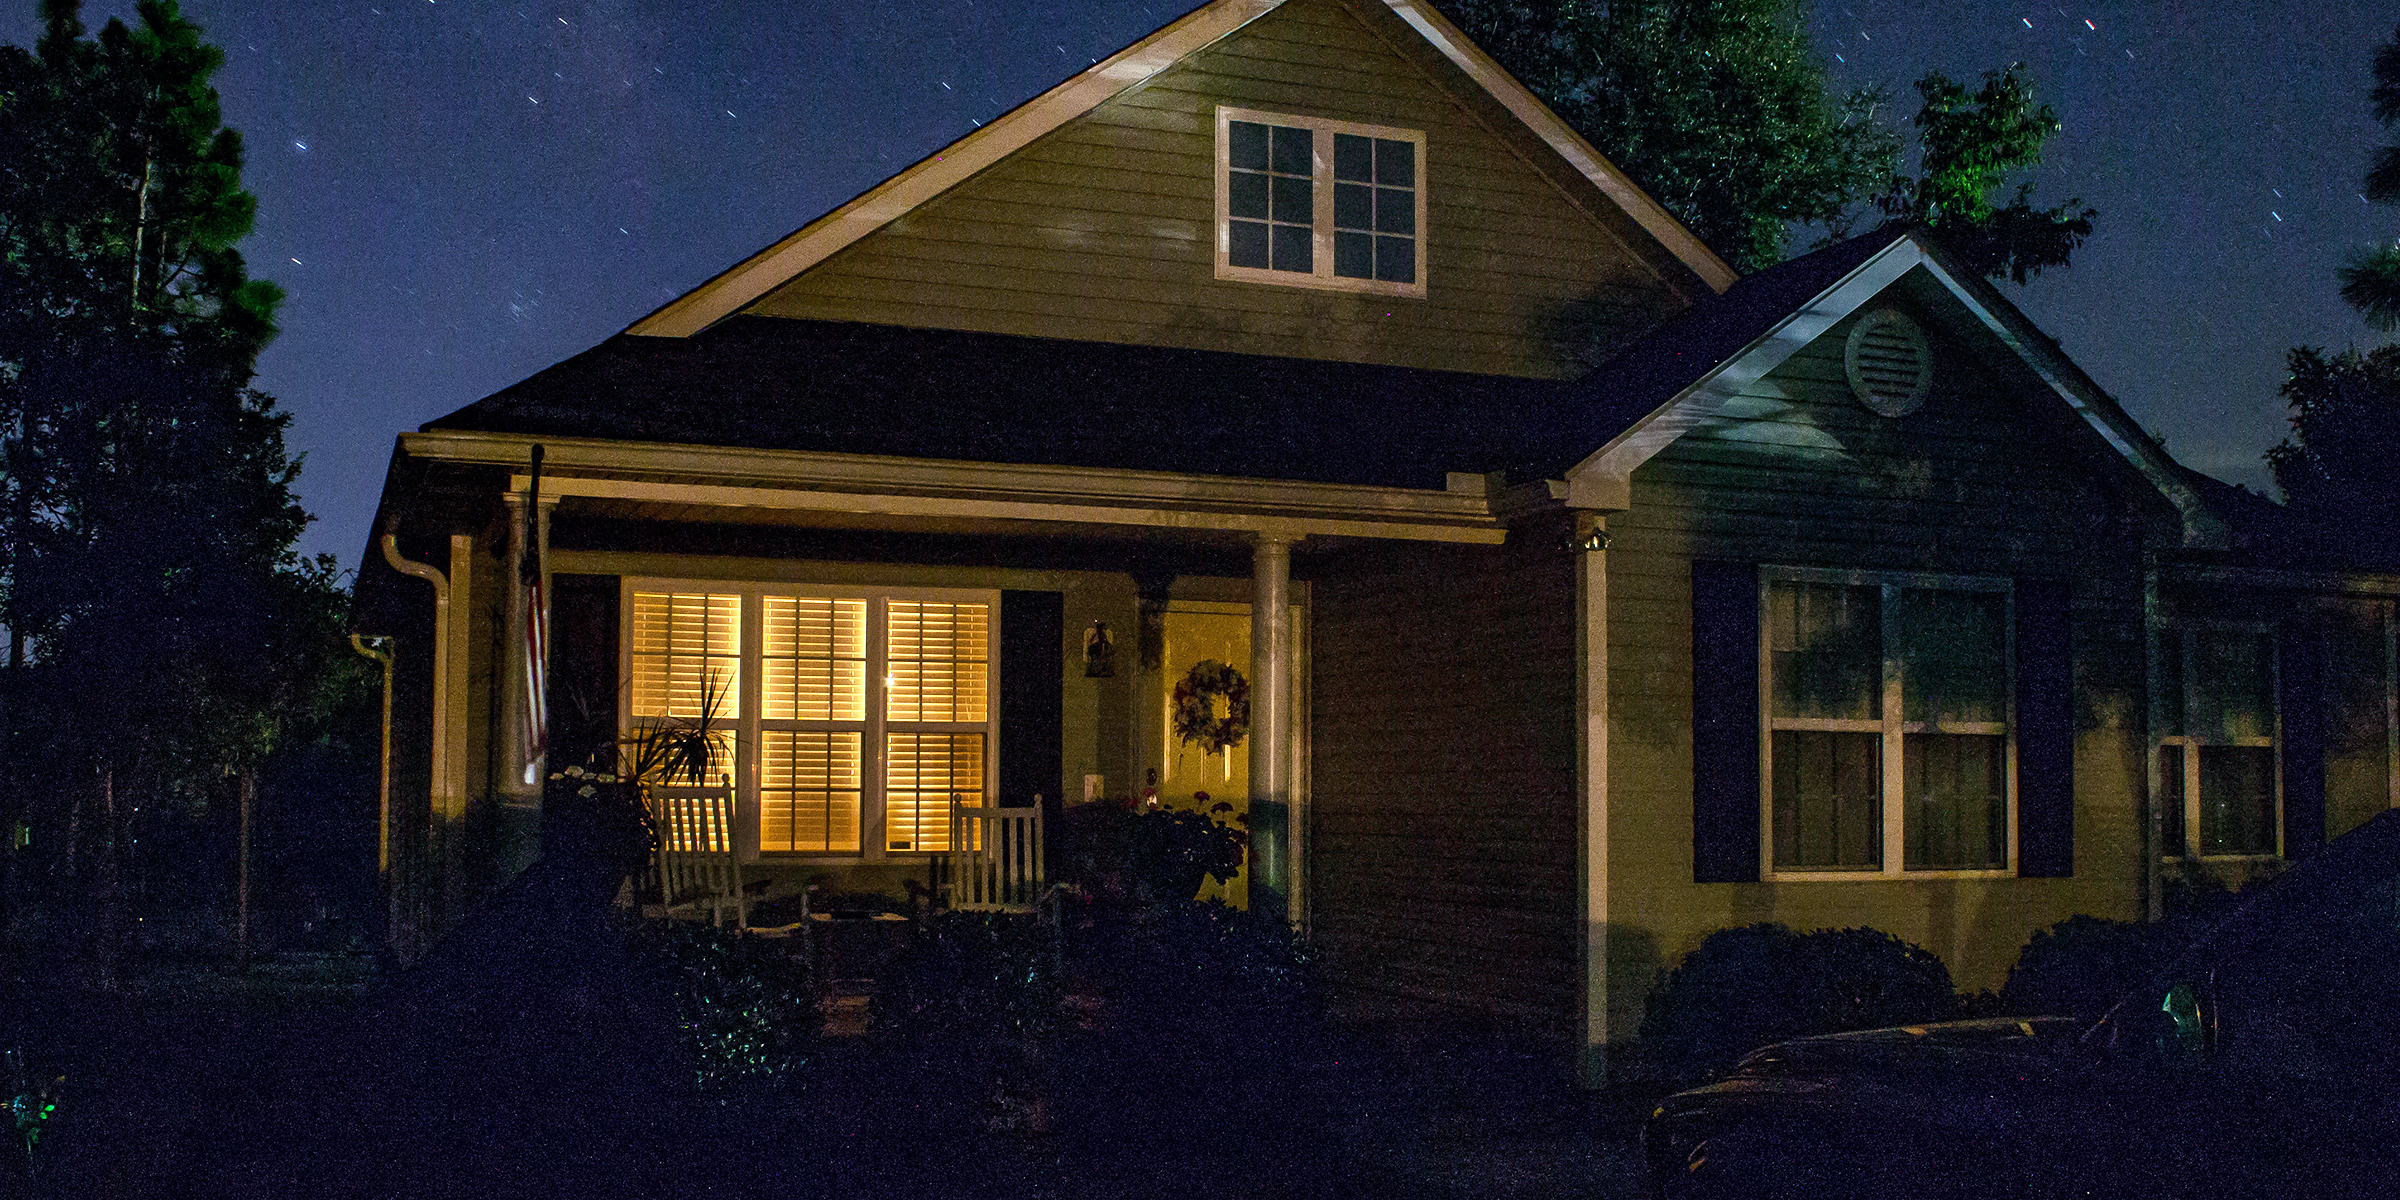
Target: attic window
[1889,364]
[1317,203]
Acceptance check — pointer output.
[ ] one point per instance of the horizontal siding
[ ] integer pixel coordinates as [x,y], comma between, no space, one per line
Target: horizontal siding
[1105,229]
[1442,834]
[1990,478]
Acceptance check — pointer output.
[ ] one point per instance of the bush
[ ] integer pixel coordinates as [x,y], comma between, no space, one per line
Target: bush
[1155,856]
[2081,966]
[972,975]
[744,1006]
[1744,988]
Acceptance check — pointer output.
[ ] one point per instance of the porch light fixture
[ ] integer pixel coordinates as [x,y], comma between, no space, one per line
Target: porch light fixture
[1099,652]
[1593,540]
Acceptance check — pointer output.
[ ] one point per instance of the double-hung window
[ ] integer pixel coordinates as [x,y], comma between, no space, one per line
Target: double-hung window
[1887,724]
[1320,203]
[2218,751]
[856,718]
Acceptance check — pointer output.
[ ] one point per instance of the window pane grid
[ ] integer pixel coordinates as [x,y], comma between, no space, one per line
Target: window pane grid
[810,790]
[1322,200]
[684,651]
[1887,711]
[815,659]
[1270,196]
[2218,755]
[924,774]
[937,661]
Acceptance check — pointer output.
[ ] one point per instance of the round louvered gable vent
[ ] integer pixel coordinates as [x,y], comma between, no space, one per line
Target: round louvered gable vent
[1889,363]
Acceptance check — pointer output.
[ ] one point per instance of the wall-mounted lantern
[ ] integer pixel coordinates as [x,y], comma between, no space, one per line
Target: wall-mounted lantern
[1099,652]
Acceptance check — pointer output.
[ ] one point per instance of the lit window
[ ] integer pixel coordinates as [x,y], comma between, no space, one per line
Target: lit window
[2217,758]
[864,711]
[1888,723]
[1320,203]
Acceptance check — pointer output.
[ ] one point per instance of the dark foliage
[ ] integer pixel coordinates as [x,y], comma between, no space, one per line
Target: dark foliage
[2336,468]
[1122,855]
[1972,143]
[1744,988]
[2371,279]
[163,640]
[743,1006]
[1719,108]
[2082,966]
[972,975]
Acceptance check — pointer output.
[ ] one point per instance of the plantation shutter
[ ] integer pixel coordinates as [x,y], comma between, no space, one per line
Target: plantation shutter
[812,675]
[2300,699]
[686,654]
[1725,699]
[2045,729]
[937,664]
[1032,692]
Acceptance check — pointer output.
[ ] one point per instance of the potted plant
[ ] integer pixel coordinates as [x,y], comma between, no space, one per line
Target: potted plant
[602,805]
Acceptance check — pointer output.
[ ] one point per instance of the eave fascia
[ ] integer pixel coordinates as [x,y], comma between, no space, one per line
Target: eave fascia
[944,169]
[1494,79]
[2203,529]
[1129,68]
[1603,482]
[800,481]
[2282,579]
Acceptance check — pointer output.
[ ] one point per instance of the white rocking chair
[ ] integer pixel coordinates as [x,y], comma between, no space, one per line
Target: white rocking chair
[995,858]
[696,861]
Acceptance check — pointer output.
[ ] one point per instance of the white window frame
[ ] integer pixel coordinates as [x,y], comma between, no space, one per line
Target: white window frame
[2187,635]
[1889,724]
[1321,197]
[749,727]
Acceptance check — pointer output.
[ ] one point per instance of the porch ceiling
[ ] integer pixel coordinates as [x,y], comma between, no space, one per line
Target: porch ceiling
[720,485]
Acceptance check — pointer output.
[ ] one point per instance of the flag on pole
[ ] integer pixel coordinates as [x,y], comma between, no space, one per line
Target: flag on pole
[536,730]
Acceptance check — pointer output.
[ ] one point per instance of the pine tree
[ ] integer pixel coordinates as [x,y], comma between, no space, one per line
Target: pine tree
[2371,279]
[147,521]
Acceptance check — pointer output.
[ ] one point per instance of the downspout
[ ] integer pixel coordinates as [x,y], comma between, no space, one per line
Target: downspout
[440,764]
[380,651]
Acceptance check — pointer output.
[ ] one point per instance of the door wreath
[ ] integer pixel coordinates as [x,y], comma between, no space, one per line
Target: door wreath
[1196,719]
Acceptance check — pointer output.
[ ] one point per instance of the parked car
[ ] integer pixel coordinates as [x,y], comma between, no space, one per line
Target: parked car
[2264,1062]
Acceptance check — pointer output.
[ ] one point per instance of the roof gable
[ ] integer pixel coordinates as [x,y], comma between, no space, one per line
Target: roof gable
[1690,371]
[1662,241]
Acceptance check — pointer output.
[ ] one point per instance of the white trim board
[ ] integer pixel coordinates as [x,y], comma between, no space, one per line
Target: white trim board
[797,480]
[1604,481]
[1121,72]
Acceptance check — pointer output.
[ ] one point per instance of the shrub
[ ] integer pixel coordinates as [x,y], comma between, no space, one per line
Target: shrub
[744,1006]
[1744,988]
[1157,856]
[1213,959]
[972,975]
[2081,966]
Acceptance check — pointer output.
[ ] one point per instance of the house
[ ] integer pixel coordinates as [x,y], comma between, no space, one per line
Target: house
[1834,595]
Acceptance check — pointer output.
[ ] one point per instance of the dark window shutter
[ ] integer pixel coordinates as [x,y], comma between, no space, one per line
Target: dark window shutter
[582,688]
[1032,633]
[2300,700]
[1725,795]
[2045,729]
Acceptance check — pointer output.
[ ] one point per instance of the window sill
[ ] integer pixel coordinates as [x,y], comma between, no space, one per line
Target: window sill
[1884,876]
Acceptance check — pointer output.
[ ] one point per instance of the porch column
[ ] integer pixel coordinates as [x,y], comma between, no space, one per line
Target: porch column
[1271,723]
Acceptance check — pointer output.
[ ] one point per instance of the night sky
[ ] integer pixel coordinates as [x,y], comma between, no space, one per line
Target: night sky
[457,194]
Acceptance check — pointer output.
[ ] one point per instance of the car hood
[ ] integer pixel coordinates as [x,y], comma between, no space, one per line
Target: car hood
[2007,1043]
[1963,1065]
